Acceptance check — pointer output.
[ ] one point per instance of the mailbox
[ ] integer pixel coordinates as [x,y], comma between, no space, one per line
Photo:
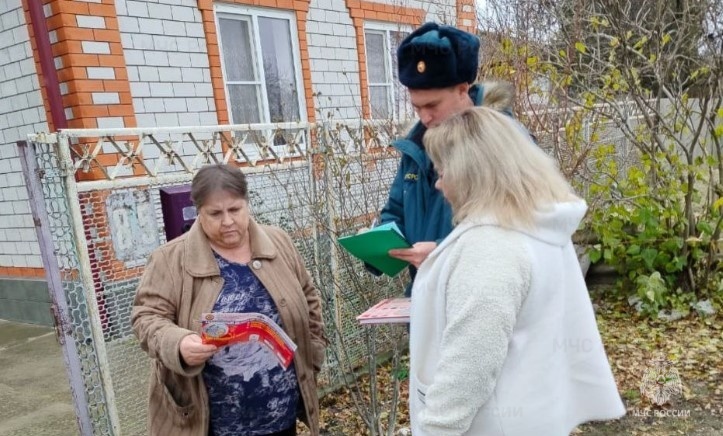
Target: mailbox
[178,210]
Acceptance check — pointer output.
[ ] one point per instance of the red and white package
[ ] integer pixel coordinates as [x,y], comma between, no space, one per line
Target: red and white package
[223,329]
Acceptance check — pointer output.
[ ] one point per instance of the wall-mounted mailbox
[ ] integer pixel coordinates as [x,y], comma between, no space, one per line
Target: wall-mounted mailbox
[178,210]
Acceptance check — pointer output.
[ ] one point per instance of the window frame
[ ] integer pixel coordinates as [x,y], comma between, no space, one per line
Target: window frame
[392,84]
[251,15]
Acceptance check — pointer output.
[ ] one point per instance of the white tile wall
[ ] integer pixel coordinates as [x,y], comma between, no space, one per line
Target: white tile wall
[165,52]
[332,50]
[21,112]
[331,38]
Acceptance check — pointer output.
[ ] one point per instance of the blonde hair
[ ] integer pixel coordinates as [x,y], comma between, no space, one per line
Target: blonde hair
[491,166]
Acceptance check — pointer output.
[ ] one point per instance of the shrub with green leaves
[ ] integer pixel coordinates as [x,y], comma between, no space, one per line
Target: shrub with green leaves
[645,233]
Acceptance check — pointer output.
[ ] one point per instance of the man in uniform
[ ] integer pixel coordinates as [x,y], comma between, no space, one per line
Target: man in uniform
[438,64]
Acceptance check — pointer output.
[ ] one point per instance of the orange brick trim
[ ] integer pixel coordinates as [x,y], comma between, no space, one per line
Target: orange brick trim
[22,272]
[67,20]
[301,9]
[466,16]
[361,11]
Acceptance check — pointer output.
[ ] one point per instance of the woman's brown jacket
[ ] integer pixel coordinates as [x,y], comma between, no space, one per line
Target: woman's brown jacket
[181,281]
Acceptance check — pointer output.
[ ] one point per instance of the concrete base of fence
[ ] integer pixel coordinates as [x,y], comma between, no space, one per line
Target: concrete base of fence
[583,258]
[594,273]
[601,274]
[25,300]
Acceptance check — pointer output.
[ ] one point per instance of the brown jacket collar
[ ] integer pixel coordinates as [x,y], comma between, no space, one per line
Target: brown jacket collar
[199,258]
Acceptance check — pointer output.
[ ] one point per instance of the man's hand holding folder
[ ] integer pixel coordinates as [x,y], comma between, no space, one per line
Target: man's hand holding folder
[372,247]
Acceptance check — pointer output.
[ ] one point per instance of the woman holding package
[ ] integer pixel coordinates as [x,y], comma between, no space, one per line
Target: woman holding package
[503,336]
[227,262]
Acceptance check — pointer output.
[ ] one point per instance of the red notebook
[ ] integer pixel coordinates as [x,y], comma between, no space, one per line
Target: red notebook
[388,311]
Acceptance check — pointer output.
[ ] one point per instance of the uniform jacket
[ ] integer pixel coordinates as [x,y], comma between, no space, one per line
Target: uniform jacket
[503,337]
[181,281]
[420,210]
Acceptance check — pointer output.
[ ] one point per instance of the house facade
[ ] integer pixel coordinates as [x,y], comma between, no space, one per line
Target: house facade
[163,63]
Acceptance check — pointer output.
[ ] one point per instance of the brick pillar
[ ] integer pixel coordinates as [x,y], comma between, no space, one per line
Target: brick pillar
[466,16]
[91,68]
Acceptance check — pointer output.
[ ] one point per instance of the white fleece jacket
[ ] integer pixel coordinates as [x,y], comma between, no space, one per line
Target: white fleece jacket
[503,337]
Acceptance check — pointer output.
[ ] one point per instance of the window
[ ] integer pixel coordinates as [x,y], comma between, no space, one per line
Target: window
[259,57]
[387,97]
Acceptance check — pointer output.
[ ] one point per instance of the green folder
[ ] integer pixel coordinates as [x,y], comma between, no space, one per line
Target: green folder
[373,246]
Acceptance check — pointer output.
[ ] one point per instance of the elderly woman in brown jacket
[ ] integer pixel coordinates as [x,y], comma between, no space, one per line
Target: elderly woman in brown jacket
[227,263]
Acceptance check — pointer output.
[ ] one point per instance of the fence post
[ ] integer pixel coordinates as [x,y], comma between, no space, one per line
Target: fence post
[61,317]
[84,269]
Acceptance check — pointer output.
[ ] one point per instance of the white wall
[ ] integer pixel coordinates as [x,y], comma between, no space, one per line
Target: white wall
[168,64]
[333,52]
[21,112]
[443,11]
[167,60]
[334,61]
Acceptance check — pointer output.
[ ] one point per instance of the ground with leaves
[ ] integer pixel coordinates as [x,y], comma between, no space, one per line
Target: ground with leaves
[694,346]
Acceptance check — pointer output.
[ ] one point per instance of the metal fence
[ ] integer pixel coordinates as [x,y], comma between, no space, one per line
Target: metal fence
[96,234]
[316,181]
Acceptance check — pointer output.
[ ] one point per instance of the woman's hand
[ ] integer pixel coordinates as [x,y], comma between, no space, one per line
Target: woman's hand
[194,352]
[416,254]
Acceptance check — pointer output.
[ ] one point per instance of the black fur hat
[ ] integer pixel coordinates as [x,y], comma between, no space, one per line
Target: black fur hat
[438,56]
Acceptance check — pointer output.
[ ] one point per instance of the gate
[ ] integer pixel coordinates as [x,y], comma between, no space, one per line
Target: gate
[95,196]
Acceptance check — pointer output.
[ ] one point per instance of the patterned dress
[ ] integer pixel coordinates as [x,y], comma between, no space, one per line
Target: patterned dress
[249,392]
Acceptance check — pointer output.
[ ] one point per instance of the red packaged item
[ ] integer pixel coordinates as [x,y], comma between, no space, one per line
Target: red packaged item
[223,329]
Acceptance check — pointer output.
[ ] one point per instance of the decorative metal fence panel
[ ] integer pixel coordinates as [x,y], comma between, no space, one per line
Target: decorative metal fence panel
[103,228]
[76,315]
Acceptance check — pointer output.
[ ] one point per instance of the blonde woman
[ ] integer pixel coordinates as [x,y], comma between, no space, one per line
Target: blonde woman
[503,336]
